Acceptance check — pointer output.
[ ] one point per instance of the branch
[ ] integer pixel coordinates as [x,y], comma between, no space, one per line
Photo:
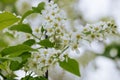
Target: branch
[49,0]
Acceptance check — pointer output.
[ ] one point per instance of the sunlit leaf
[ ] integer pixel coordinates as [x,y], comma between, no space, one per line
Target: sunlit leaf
[37,9]
[7,19]
[8,1]
[16,50]
[26,14]
[18,59]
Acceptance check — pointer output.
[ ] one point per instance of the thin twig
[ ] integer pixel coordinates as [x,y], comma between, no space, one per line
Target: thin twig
[65,49]
[46,74]
[49,0]
[35,36]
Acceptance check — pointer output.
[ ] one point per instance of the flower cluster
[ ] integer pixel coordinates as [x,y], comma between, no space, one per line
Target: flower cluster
[98,31]
[39,62]
[54,28]
[54,23]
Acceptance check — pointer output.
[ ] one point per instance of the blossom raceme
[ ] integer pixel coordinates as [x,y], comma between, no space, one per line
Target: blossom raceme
[54,24]
[98,31]
[54,29]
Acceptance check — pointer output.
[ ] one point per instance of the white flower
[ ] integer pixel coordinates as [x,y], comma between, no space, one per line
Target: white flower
[98,31]
[42,60]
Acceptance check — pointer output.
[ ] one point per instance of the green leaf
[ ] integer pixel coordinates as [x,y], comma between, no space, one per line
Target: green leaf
[15,66]
[22,27]
[3,43]
[7,19]
[42,29]
[28,78]
[34,78]
[3,65]
[87,33]
[18,66]
[37,9]
[109,48]
[29,42]
[46,43]
[70,65]
[40,78]
[26,14]
[18,59]
[10,35]
[16,50]
[8,1]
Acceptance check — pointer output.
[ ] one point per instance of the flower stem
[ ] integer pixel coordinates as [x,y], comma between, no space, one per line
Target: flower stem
[49,0]
[46,74]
